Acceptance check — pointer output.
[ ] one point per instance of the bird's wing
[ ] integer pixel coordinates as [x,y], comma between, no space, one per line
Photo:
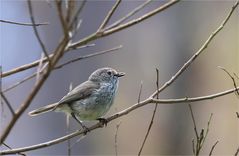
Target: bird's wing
[82,91]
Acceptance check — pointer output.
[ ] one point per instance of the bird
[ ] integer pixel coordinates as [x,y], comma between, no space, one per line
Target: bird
[90,100]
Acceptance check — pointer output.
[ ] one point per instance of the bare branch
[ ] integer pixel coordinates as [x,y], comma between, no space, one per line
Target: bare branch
[75,19]
[70,6]
[200,139]
[35,63]
[88,56]
[152,119]
[140,91]
[64,64]
[99,125]
[61,17]
[20,82]
[194,99]
[126,25]
[35,30]
[208,124]
[194,123]
[116,137]
[214,145]
[204,46]
[11,148]
[236,154]
[58,53]
[8,104]
[233,80]
[23,24]
[128,15]
[109,15]
[95,36]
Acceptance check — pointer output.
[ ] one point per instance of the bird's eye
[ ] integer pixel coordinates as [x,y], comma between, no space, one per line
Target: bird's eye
[109,73]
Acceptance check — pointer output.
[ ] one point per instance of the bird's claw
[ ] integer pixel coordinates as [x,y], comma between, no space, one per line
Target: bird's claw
[103,121]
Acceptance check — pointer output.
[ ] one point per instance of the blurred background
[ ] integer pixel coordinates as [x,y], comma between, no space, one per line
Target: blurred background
[165,41]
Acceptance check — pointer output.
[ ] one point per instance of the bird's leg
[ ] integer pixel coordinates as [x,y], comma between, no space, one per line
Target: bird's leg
[103,121]
[86,129]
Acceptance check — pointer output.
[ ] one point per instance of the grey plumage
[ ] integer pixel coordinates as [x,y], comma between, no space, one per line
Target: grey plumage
[91,99]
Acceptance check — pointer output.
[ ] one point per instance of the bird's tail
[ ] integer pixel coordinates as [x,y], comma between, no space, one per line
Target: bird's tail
[42,110]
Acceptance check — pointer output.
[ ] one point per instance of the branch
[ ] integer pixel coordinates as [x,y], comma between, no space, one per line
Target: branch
[11,148]
[35,63]
[236,154]
[23,24]
[95,36]
[128,24]
[233,80]
[204,46]
[128,15]
[90,55]
[116,137]
[58,53]
[8,104]
[152,119]
[213,148]
[61,17]
[99,124]
[75,19]
[194,123]
[64,64]
[200,139]
[35,30]
[194,99]
[109,15]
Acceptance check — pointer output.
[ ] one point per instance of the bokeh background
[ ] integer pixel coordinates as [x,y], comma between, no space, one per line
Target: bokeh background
[165,41]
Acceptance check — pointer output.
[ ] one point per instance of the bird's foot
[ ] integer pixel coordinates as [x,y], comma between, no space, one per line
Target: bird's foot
[85,129]
[103,121]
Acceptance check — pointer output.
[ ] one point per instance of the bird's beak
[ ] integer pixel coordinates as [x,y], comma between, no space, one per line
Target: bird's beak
[119,74]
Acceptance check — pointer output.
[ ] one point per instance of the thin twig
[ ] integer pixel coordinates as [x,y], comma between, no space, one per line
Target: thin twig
[70,6]
[128,15]
[35,30]
[140,91]
[75,19]
[95,36]
[153,116]
[64,64]
[99,125]
[39,68]
[236,154]
[194,123]
[194,99]
[11,148]
[237,115]
[61,17]
[88,56]
[109,15]
[126,25]
[203,47]
[8,103]
[208,124]
[193,146]
[199,139]
[19,82]
[233,80]
[214,145]
[116,138]
[36,63]
[236,75]
[23,24]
